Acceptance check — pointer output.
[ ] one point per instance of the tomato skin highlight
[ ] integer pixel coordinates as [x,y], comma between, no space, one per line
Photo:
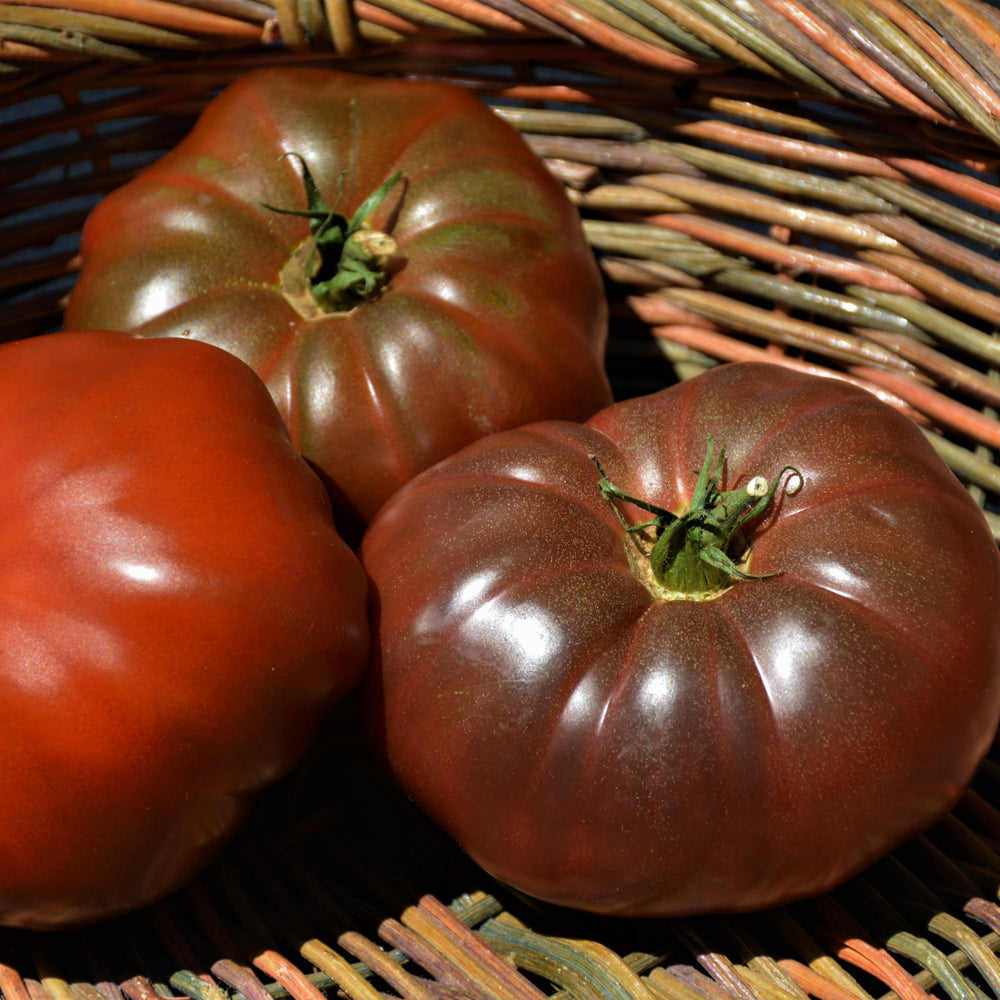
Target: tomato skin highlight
[493,314]
[599,748]
[177,615]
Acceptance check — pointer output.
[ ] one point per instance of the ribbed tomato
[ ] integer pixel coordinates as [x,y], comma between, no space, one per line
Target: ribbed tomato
[483,309]
[177,614]
[728,709]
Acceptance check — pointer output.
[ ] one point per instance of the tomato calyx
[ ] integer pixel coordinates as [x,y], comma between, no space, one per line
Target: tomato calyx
[701,552]
[344,262]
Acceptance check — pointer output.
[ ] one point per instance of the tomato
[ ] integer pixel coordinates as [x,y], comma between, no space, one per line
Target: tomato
[177,614]
[810,676]
[489,314]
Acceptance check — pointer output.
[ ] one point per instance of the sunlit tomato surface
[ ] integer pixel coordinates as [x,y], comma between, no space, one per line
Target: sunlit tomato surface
[489,314]
[177,613]
[600,740]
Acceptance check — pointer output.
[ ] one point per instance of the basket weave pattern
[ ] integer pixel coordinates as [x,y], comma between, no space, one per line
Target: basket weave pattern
[809,182]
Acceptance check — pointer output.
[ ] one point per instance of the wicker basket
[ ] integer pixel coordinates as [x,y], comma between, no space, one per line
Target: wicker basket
[811,182]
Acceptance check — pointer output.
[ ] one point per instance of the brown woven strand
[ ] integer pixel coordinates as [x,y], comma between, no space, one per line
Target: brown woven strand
[934,58]
[307,24]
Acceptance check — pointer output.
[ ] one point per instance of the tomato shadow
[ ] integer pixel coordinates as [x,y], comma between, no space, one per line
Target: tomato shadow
[333,847]
[336,847]
[901,927]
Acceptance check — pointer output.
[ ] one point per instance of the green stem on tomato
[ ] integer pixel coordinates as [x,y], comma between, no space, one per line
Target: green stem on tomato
[346,261]
[695,554]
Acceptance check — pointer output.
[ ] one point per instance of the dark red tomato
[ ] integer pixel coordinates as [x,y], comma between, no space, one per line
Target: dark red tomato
[606,737]
[490,312]
[177,613]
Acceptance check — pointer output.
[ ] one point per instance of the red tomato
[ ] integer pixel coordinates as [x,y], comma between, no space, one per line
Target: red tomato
[491,313]
[177,613]
[604,739]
